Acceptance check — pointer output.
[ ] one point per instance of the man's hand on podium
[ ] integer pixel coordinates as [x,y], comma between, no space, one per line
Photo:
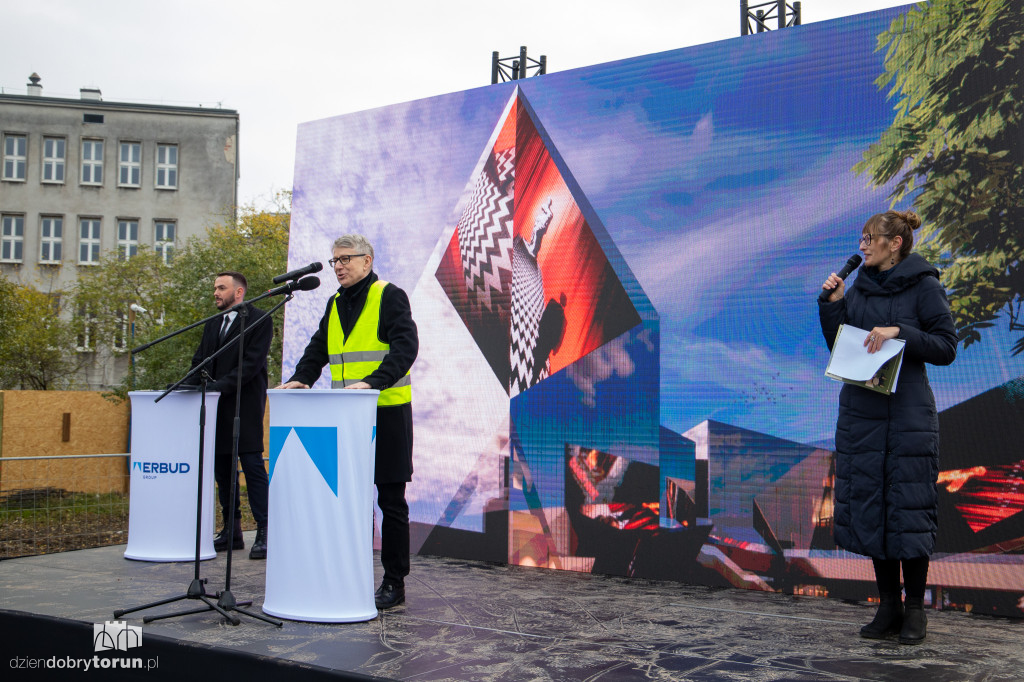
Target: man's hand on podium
[299,384]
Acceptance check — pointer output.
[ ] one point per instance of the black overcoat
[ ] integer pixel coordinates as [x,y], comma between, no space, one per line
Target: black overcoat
[393,463]
[887,447]
[225,375]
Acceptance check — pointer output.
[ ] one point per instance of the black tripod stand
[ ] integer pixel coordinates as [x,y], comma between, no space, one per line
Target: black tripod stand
[226,603]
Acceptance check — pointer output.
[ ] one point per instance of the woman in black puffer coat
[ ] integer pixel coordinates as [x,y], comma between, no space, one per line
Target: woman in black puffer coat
[887,446]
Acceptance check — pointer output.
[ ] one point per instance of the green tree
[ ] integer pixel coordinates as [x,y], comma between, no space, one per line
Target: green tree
[104,296]
[37,344]
[257,246]
[955,69]
[177,294]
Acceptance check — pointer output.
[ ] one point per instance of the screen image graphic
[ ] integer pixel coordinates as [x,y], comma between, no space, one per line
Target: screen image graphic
[614,273]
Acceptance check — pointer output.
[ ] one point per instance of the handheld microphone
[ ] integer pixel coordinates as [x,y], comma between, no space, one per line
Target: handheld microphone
[301,272]
[850,266]
[304,284]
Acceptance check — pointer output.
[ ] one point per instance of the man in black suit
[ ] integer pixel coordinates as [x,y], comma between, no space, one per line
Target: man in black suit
[229,290]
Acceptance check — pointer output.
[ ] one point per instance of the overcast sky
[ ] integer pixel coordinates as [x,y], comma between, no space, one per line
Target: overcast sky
[281,64]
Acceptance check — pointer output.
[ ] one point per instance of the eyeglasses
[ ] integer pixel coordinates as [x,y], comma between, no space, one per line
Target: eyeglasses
[344,260]
[866,238]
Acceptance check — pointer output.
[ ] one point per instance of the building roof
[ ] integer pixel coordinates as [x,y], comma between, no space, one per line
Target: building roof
[95,104]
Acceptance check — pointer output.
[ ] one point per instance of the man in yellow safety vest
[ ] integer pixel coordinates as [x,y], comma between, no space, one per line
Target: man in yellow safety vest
[369,339]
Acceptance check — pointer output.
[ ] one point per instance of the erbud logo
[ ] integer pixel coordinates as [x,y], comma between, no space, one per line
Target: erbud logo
[115,634]
[162,467]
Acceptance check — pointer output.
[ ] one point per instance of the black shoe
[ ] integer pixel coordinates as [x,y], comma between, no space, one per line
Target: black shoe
[388,595]
[259,545]
[220,543]
[915,622]
[888,618]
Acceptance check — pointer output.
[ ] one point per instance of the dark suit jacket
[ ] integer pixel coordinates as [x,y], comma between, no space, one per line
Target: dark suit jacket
[225,376]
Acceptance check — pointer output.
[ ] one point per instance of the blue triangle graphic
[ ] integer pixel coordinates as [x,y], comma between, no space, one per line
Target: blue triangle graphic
[278,435]
[320,442]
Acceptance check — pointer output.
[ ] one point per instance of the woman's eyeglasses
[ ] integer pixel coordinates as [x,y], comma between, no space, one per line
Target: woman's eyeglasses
[866,238]
[344,260]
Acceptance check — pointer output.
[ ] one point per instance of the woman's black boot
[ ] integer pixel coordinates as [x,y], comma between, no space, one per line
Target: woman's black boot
[915,622]
[888,619]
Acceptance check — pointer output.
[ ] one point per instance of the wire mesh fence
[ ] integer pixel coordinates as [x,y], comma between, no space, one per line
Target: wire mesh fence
[67,502]
[58,503]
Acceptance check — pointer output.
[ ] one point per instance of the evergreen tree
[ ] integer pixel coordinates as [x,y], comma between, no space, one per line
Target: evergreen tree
[955,69]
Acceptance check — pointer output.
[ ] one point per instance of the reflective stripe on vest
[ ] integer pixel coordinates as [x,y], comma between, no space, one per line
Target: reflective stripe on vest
[359,355]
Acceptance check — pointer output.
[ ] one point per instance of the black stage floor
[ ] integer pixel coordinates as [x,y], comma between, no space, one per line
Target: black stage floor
[477,621]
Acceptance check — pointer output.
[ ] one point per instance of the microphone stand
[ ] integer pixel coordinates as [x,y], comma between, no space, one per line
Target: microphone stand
[226,602]
[225,599]
[196,589]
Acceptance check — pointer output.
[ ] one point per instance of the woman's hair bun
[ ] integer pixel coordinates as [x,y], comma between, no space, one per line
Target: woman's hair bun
[912,220]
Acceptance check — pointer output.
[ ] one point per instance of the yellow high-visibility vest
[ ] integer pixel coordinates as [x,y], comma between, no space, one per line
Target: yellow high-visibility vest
[360,354]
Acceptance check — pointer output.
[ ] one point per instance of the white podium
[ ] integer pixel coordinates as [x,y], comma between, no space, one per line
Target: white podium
[320,532]
[163,480]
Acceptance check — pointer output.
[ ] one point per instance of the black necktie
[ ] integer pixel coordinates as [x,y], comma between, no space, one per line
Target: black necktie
[224,327]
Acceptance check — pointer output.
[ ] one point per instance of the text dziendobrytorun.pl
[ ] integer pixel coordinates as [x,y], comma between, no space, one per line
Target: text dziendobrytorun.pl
[73,663]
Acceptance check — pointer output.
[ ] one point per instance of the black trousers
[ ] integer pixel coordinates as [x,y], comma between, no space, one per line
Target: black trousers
[915,576]
[394,532]
[256,482]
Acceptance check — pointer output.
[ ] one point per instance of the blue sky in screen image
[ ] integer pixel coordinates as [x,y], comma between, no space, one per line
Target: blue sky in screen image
[723,174]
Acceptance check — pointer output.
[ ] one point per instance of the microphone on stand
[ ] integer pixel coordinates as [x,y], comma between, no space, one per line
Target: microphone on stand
[304,284]
[850,266]
[301,272]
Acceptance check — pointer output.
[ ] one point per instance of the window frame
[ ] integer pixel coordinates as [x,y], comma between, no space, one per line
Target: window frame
[93,243]
[123,244]
[55,242]
[58,163]
[16,241]
[84,340]
[165,247]
[91,163]
[14,158]
[166,169]
[129,165]
[120,342]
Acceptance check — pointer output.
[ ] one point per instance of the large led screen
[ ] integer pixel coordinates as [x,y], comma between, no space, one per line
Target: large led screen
[614,272]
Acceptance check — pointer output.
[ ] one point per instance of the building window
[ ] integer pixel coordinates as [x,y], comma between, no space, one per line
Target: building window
[54,153]
[51,234]
[89,241]
[87,329]
[92,162]
[127,238]
[164,239]
[167,166]
[121,333]
[130,165]
[54,304]
[12,239]
[15,149]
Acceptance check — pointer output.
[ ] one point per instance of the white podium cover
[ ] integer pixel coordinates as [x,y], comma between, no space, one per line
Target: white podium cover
[320,532]
[163,479]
